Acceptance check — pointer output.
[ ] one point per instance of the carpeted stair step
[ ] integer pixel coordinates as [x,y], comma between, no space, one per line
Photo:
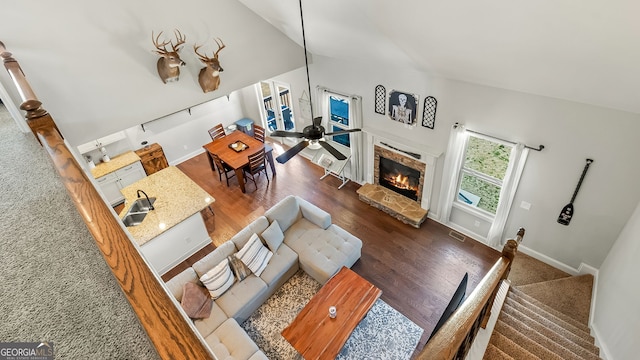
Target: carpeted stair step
[548,328]
[558,344]
[571,296]
[493,353]
[530,302]
[537,313]
[510,348]
[530,345]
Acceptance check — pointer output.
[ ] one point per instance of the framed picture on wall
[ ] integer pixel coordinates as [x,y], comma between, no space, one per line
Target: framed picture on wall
[403,107]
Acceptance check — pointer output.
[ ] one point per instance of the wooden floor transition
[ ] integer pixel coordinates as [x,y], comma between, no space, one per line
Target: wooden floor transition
[416,269]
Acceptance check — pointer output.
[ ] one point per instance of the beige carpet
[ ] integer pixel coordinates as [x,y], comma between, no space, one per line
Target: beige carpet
[544,316]
[528,270]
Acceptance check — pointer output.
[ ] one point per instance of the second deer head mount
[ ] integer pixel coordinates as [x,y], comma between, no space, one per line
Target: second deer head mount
[209,77]
[169,62]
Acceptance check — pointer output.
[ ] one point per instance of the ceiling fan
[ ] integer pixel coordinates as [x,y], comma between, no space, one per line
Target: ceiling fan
[313,136]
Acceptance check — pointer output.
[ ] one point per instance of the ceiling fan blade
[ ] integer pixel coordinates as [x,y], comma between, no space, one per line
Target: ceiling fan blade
[280,133]
[337,154]
[342,132]
[292,152]
[317,121]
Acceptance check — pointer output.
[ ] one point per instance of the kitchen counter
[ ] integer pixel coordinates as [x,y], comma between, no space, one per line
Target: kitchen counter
[117,162]
[177,198]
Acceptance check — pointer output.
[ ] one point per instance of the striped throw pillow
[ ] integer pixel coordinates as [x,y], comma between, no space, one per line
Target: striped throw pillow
[255,255]
[219,279]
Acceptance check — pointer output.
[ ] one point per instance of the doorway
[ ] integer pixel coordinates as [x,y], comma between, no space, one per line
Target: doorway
[277,113]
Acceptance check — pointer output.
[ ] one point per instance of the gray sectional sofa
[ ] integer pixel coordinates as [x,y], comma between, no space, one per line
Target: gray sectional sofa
[300,235]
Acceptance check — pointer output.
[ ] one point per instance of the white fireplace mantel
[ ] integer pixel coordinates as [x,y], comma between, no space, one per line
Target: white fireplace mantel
[428,155]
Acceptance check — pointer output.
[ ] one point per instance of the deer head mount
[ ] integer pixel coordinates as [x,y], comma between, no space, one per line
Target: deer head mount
[169,62]
[209,77]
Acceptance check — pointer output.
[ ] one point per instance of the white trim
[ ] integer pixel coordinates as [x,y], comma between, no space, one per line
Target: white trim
[548,260]
[186,157]
[481,341]
[605,354]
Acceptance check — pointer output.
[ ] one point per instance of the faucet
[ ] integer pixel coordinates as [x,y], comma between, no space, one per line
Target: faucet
[148,201]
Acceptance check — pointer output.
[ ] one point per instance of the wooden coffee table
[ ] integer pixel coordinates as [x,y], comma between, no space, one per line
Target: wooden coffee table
[317,336]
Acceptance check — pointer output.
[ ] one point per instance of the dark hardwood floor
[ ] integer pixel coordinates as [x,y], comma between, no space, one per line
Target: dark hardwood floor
[416,269]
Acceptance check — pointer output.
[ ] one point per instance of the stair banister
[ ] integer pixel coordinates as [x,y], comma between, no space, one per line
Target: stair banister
[455,337]
[170,333]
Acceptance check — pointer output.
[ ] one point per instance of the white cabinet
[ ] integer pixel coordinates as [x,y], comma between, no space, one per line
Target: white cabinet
[103,141]
[177,244]
[111,183]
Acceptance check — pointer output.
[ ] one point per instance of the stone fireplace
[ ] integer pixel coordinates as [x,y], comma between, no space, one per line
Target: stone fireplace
[399,173]
[401,184]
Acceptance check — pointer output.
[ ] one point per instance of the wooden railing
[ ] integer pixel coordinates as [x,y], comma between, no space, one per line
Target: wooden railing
[455,337]
[170,333]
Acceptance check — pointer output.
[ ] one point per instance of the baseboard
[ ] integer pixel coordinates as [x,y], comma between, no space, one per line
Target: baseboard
[186,157]
[605,354]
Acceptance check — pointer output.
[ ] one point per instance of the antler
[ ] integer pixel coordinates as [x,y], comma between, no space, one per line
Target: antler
[221,46]
[162,48]
[204,57]
[180,40]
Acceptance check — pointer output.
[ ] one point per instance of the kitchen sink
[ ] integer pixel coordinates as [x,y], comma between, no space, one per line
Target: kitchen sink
[133,219]
[142,205]
[138,211]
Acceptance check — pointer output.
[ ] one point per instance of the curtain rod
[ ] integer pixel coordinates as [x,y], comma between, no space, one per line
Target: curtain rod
[539,148]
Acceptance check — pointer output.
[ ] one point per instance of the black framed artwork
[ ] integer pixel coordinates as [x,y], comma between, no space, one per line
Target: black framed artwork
[429,112]
[403,107]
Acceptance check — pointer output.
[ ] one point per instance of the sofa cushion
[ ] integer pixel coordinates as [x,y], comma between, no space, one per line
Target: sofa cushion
[176,283]
[322,252]
[314,214]
[219,279]
[282,266]
[255,255]
[243,298]
[256,227]
[213,258]
[287,212]
[208,325]
[230,341]
[273,236]
[196,301]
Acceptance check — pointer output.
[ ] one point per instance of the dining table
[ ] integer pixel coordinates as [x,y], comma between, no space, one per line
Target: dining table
[237,157]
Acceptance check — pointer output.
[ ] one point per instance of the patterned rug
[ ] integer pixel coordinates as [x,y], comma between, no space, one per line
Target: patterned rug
[383,334]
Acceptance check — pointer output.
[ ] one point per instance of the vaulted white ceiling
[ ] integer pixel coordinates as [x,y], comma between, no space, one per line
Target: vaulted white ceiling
[586,51]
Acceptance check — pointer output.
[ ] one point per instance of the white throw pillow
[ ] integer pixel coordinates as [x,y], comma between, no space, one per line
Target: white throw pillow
[255,255]
[273,236]
[219,279]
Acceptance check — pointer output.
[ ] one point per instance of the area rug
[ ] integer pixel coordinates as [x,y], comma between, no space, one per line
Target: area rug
[383,334]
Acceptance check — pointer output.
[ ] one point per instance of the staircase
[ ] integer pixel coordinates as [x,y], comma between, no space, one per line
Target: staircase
[527,328]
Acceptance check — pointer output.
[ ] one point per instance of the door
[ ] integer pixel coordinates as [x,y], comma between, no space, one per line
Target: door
[277,112]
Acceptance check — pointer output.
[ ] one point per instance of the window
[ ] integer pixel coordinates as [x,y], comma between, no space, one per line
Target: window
[339,118]
[484,167]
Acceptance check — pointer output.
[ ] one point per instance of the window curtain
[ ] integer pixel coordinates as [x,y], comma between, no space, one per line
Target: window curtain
[455,151]
[518,158]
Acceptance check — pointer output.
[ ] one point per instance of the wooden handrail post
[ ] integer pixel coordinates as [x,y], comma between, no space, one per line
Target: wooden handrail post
[168,330]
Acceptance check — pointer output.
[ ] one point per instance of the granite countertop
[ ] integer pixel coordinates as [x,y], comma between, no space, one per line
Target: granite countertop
[177,198]
[116,163]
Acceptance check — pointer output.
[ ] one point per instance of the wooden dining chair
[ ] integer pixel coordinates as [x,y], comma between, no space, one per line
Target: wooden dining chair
[223,168]
[217,132]
[257,164]
[258,133]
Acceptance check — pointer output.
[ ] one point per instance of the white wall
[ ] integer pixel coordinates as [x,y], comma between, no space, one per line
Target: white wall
[570,131]
[616,319]
[93,66]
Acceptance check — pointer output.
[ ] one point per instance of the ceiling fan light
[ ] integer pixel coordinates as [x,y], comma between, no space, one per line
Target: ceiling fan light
[314,144]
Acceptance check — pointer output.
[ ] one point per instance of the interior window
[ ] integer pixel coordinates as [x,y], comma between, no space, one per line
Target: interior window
[483,170]
[339,118]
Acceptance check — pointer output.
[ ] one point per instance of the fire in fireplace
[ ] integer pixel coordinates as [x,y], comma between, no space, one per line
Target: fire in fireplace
[399,178]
